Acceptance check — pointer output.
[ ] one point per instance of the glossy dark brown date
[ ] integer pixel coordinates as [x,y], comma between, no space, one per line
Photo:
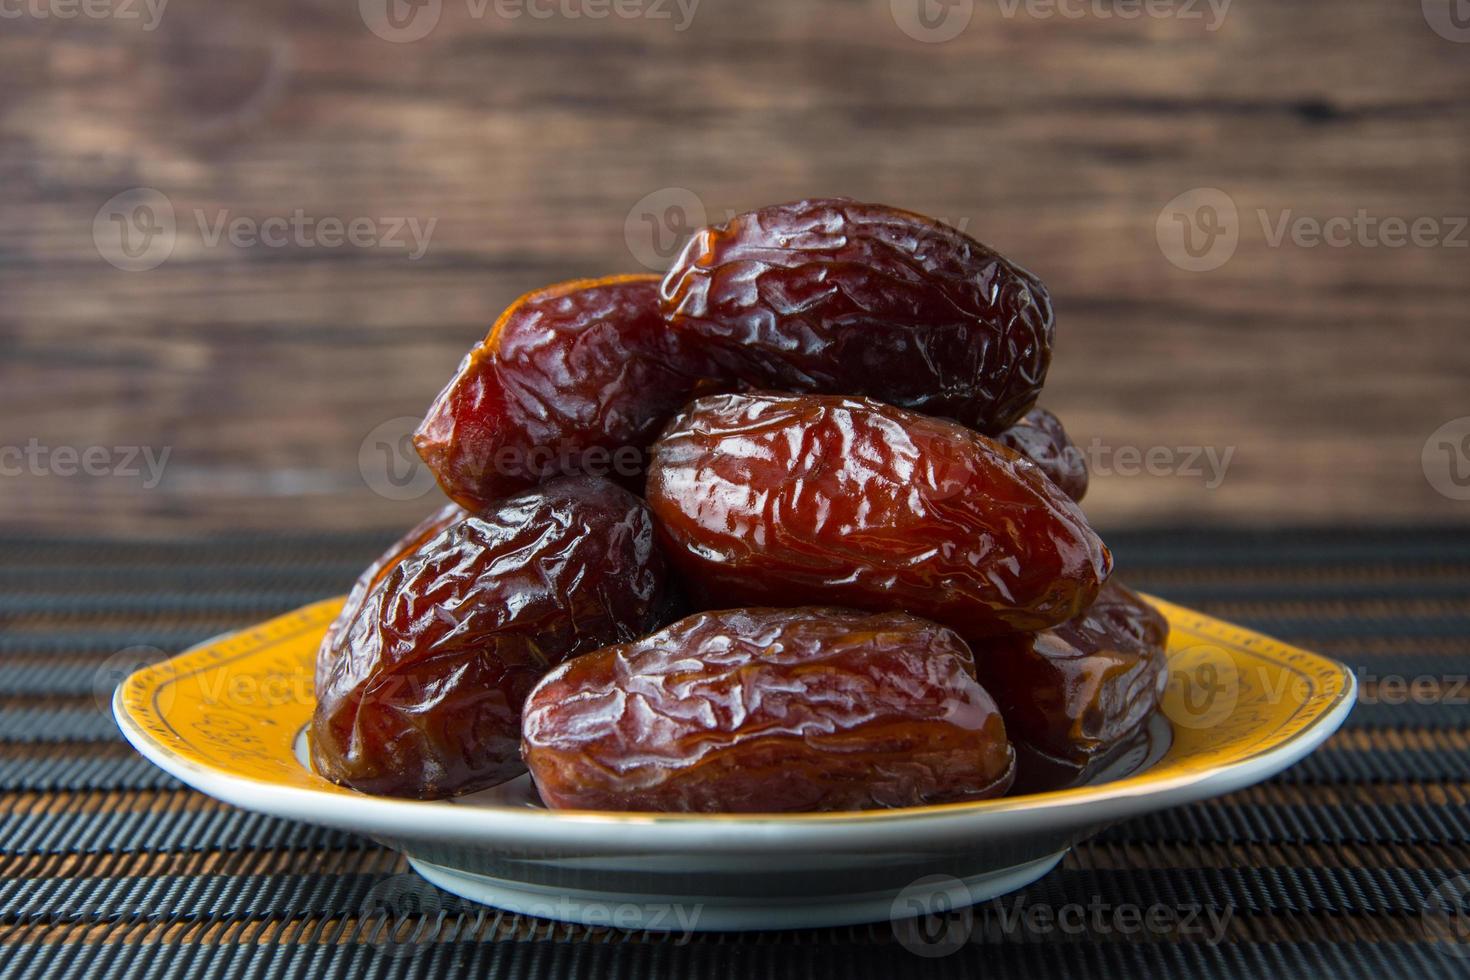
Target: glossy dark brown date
[781,499]
[835,296]
[427,529]
[1075,695]
[420,689]
[1039,437]
[576,378]
[769,710]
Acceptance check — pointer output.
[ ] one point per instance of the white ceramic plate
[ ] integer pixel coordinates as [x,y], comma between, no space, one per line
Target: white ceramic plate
[229,718]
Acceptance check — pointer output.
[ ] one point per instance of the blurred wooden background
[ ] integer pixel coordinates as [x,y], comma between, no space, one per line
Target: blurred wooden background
[544,148]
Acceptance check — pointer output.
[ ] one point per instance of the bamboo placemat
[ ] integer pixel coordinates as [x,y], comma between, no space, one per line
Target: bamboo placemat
[1348,864]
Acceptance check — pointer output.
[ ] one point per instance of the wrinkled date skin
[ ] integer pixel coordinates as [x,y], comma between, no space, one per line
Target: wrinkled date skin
[838,297]
[823,500]
[421,690]
[427,529]
[1075,695]
[767,711]
[1039,437]
[576,378]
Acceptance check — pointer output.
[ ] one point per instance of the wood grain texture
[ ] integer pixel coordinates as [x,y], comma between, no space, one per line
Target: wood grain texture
[531,143]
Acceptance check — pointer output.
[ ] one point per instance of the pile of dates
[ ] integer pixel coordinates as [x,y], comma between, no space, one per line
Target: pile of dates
[782,531]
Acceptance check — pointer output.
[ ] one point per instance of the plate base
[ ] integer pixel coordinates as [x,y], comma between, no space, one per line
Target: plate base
[717,913]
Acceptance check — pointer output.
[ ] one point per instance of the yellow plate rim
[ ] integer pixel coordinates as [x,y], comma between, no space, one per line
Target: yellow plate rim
[1165,784]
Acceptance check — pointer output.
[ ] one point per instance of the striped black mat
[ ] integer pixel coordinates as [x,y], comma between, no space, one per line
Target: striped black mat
[1348,864]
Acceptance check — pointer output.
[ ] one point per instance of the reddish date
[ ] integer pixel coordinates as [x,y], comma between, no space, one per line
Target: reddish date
[1075,695]
[769,710]
[835,296]
[1039,437]
[420,689]
[824,500]
[427,529]
[576,378]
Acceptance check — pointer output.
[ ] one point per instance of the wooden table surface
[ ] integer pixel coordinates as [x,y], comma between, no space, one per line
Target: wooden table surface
[276,366]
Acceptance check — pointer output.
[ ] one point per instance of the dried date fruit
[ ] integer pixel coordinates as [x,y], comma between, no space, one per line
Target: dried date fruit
[1076,695]
[824,500]
[430,527]
[839,297]
[577,378]
[1039,437]
[769,710]
[422,688]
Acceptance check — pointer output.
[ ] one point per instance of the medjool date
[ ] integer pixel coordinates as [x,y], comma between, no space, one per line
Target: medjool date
[1075,695]
[430,527]
[769,710]
[1039,437]
[825,500]
[839,297]
[573,379]
[421,690]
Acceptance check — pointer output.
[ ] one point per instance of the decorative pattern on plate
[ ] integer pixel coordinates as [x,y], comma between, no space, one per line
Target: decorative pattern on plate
[235,706]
